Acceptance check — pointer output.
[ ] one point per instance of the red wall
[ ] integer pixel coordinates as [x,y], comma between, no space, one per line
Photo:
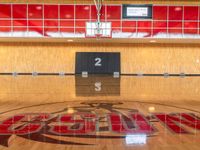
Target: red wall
[69,21]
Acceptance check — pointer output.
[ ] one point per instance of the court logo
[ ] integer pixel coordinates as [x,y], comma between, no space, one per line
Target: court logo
[93,120]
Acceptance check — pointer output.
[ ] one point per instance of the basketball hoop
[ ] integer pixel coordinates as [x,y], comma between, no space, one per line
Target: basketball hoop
[98,33]
[98,29]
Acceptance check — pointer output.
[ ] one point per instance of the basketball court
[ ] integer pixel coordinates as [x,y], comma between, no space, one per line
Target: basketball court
[99,74]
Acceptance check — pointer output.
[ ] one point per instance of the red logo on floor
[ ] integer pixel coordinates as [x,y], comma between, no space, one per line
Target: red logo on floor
[90,125]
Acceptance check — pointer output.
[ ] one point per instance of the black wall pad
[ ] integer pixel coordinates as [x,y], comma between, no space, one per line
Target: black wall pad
[98,62]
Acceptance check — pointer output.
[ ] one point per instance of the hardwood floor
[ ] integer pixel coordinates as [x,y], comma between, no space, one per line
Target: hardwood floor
[99,112]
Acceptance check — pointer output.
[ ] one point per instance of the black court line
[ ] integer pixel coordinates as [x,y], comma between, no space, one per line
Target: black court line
[165,75]
[123,74]
[35,74]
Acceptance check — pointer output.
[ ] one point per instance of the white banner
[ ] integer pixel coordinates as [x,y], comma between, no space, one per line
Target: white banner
[137,11]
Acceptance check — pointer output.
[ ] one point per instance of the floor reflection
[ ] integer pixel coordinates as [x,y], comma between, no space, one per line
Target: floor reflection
[98,85]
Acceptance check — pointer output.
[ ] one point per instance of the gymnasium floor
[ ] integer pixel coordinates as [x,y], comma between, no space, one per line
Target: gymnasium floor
[99,112]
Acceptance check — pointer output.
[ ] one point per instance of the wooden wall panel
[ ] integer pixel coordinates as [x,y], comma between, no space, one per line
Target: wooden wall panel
[136,58]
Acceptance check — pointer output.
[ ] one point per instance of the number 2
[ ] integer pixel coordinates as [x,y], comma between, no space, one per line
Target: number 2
[98,62]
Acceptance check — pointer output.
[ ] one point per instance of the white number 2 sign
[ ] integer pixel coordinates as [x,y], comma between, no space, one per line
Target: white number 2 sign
[98,62]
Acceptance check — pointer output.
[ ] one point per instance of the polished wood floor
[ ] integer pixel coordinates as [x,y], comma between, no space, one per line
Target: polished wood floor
[101,113]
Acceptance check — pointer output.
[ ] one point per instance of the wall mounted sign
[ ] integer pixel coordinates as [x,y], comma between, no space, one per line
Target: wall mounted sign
[137,11]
